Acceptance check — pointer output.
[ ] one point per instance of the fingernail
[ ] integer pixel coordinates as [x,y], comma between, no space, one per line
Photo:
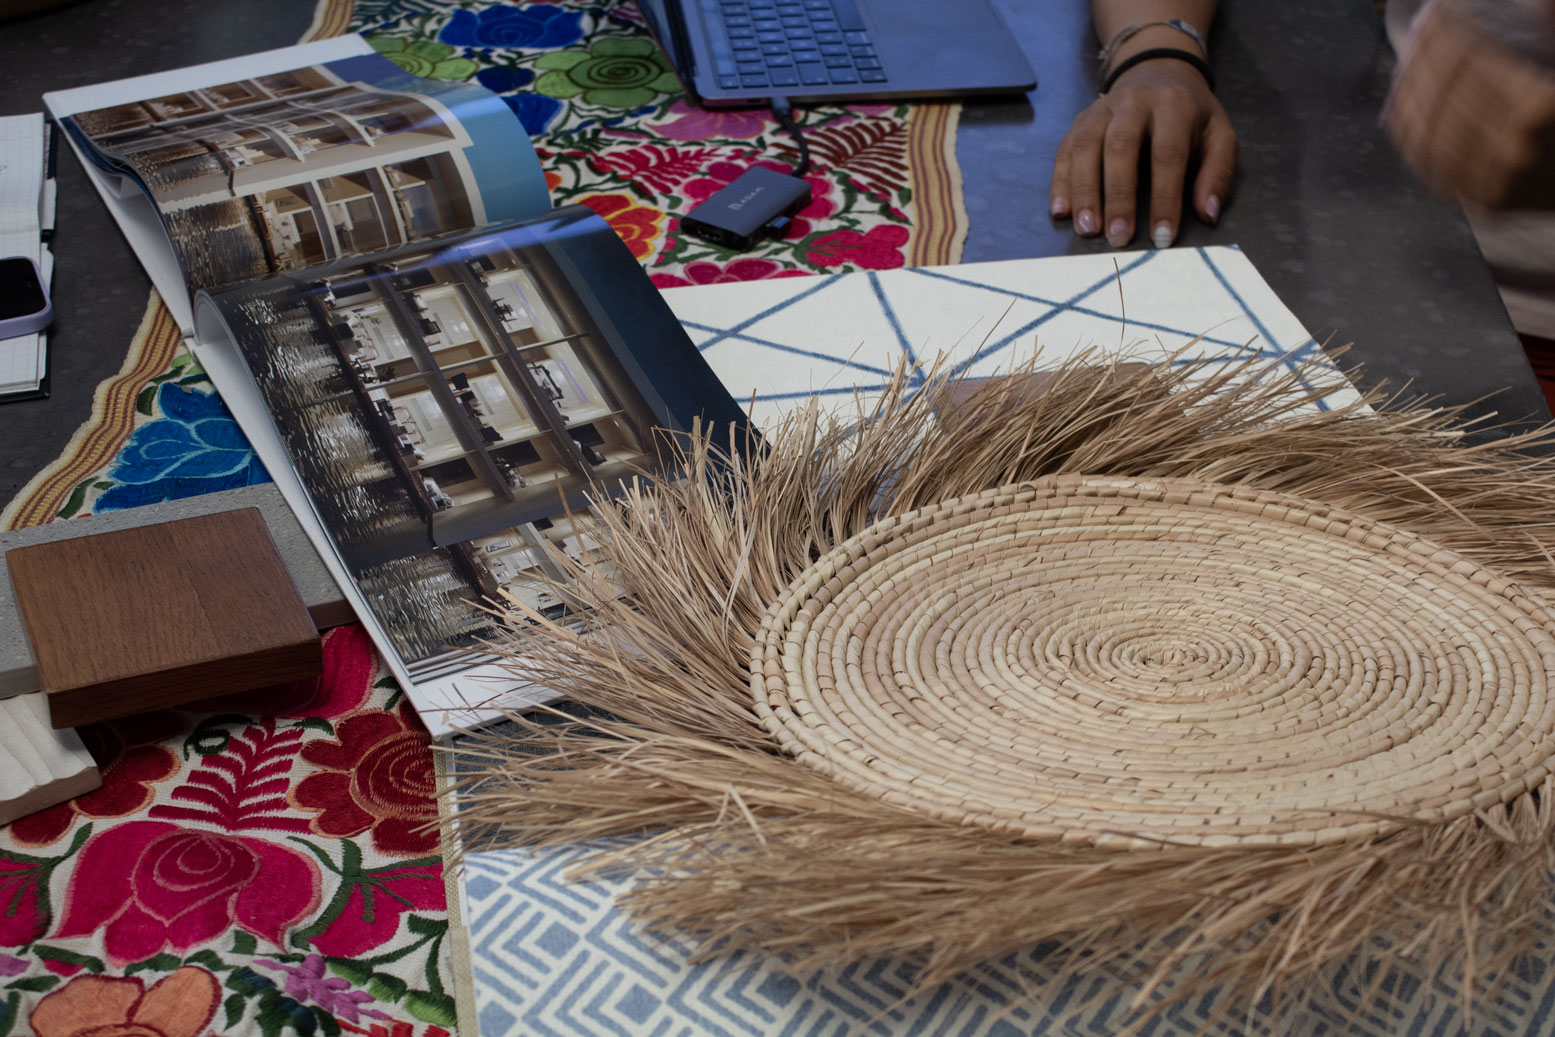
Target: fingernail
[1161,237]
[1085,222]
[1212,208]
[1059,207]
[1117,232]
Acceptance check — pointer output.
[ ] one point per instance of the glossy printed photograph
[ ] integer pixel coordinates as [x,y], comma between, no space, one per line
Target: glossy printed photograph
[451,412]
[284,171]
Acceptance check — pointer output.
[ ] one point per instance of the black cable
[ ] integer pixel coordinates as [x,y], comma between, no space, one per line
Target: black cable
[783,111]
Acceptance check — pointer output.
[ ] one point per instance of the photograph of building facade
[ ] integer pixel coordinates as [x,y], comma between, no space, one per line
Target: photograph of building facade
[450,413]
[285,171]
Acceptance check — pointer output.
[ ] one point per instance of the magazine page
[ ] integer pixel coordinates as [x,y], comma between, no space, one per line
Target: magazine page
[439,416]
[262,166]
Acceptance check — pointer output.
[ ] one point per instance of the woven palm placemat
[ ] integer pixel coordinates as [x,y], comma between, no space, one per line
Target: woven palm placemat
[1132,663]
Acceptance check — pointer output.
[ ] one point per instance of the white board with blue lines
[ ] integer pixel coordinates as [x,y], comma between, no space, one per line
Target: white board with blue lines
[776,343]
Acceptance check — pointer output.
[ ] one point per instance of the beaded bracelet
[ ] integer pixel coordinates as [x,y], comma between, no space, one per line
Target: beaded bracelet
[1160,52]
[1104,57]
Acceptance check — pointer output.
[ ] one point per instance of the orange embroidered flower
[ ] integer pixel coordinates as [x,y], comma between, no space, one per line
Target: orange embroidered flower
[637,225]
[180,1004]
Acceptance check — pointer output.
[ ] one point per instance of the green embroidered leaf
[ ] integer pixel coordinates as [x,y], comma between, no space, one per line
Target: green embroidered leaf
[353,972]
[144,400]
[155,963]
[246,981]
[278,1012]
[77,498]
[316,724]
[431,1008]
[327,1022]
[235,1006]
[423,926]
[34,984]
[386,987]
[208,959]
[244,943]
[9,1012]
[60,954]
[212,735]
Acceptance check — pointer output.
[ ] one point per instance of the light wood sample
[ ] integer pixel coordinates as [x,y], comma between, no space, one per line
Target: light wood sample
[39,767]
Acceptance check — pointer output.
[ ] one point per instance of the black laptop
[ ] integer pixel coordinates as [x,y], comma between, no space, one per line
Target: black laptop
[744,52]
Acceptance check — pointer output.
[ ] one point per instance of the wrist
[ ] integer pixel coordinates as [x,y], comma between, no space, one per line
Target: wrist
[1174,64]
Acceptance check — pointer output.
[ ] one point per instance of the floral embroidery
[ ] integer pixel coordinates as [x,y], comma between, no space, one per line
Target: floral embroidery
[880,249]
[195,447]
[535,26]
[375,776]
[615,73]
[425,58]
[24,913]
[307,982]
[150,884]
[636,225]
[180,1004]
[703,272]
[687,122]
[132,765]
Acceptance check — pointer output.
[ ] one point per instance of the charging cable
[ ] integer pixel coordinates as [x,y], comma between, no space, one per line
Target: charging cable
[783,112]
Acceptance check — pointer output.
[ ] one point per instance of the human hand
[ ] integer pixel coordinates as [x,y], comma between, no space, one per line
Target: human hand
[1096,173]
[1473,118]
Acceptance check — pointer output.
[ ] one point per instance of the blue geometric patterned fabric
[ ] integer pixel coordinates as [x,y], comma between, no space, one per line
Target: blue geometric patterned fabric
[553,958]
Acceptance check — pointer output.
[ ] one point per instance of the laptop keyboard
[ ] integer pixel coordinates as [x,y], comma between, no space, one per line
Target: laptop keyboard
[793,43]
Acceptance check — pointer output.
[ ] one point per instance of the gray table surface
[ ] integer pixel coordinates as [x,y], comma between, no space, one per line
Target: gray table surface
[1353,245]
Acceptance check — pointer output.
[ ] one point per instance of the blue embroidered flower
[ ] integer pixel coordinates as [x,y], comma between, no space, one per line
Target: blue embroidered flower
[535,111]
[194,448]
[537,26]
[501,79]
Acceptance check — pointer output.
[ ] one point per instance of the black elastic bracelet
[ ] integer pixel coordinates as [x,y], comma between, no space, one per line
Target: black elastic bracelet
[1160,52]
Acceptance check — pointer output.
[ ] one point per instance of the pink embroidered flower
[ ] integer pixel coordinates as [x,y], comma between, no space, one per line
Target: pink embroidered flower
[180,1004]
[748,269]
[691,123]
[722,174]
[371,915]
[376,774]
[880,249]
[151,884]
[350,663]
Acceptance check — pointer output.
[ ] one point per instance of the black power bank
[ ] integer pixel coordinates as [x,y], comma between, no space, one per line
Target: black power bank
[759,201]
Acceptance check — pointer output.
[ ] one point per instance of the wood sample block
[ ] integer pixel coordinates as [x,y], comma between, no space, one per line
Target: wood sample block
[160,615]
[39,767]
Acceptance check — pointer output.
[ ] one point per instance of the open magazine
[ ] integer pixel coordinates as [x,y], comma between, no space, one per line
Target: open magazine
[437,368]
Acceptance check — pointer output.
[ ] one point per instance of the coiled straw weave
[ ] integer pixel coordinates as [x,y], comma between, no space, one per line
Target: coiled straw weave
[1130,662]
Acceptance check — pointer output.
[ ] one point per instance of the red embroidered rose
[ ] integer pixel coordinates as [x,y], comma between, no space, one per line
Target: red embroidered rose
[180,1004]
[748,269]
[376,774]
[151,884]
[127,789]
[371,914]
[132,764]
[350,664]
[722,174]
[636,225]
[23,900]
[880,249]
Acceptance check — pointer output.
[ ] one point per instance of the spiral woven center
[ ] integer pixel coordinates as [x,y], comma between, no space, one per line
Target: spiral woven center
[1126,662]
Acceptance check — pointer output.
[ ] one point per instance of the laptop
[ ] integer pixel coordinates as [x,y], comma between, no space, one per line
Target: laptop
[746,52]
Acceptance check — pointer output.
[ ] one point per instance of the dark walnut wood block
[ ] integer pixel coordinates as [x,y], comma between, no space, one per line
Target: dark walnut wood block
[161,615]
